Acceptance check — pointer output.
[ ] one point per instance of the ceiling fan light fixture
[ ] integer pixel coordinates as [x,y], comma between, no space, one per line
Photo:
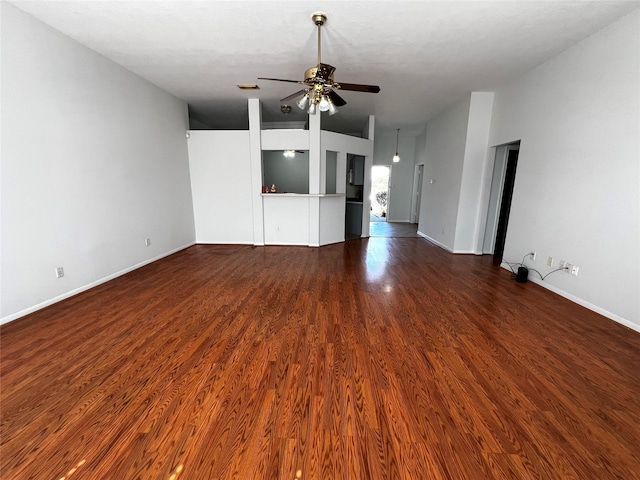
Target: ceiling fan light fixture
[302,103]
[313,108]
[396,157]
[324,103]
[332,108]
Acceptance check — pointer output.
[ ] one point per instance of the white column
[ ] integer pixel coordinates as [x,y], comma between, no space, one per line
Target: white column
[366,188]
[255,148]
[314,179]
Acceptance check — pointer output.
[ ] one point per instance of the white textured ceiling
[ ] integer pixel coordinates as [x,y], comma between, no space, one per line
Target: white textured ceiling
[424,55]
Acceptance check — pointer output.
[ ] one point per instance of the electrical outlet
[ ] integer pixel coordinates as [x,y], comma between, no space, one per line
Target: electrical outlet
[550,261]
[147,241]
[567,267]
[59,272]
[574,270]
[533,255]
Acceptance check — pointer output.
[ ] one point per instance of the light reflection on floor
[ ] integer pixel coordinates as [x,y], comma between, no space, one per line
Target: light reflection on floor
[74,469]
[376,259]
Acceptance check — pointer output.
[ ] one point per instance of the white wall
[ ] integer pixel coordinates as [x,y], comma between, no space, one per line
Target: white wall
[345,144]
[332,219]
[576,191]
[421,148]
[94,160]
[286,219]
[401,181]
[444,152]
[421,155]
[220,166]
[475,159]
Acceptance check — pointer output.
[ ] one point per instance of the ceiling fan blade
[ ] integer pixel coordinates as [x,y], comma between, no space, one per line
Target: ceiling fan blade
[279,80]
[297,94]
[325,71]
[336,99]
[355,87]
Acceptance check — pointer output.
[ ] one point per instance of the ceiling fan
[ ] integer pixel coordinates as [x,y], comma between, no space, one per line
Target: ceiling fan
[320,92]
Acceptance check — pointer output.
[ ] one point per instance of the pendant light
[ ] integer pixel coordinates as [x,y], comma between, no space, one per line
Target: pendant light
[396,157]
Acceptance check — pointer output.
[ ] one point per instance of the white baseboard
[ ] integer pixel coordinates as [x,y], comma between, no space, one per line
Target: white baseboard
[580,301]
[75,291]
[435,242]
[222,242]
[290,244]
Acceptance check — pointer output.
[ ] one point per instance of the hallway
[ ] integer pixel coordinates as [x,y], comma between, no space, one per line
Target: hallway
[393,229]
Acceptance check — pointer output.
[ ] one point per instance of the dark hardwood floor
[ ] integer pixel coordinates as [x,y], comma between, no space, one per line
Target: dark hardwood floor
[372,359]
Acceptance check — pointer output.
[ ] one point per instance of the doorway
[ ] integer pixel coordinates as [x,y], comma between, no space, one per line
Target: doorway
[508,165]
[380,175]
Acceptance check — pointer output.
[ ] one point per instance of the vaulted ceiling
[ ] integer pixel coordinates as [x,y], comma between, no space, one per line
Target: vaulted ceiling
[424,55]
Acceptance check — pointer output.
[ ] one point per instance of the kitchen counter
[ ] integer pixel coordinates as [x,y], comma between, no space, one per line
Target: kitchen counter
[303,219]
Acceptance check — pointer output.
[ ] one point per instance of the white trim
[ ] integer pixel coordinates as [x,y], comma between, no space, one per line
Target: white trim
[288,244]
[435,242]
[84,288]
[224,243]
[580,301]
[416,193]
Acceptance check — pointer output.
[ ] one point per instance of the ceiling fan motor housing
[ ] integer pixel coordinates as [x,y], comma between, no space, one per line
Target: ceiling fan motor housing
[311,76]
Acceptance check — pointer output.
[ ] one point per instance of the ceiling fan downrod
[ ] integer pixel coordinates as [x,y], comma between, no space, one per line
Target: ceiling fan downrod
[319,18]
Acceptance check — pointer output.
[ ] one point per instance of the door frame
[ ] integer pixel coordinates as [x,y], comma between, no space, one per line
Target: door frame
[496,185]
[390,168]
[505,205]
[416,195]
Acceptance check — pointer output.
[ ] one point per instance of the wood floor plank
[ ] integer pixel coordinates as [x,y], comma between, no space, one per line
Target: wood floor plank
[385,358]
